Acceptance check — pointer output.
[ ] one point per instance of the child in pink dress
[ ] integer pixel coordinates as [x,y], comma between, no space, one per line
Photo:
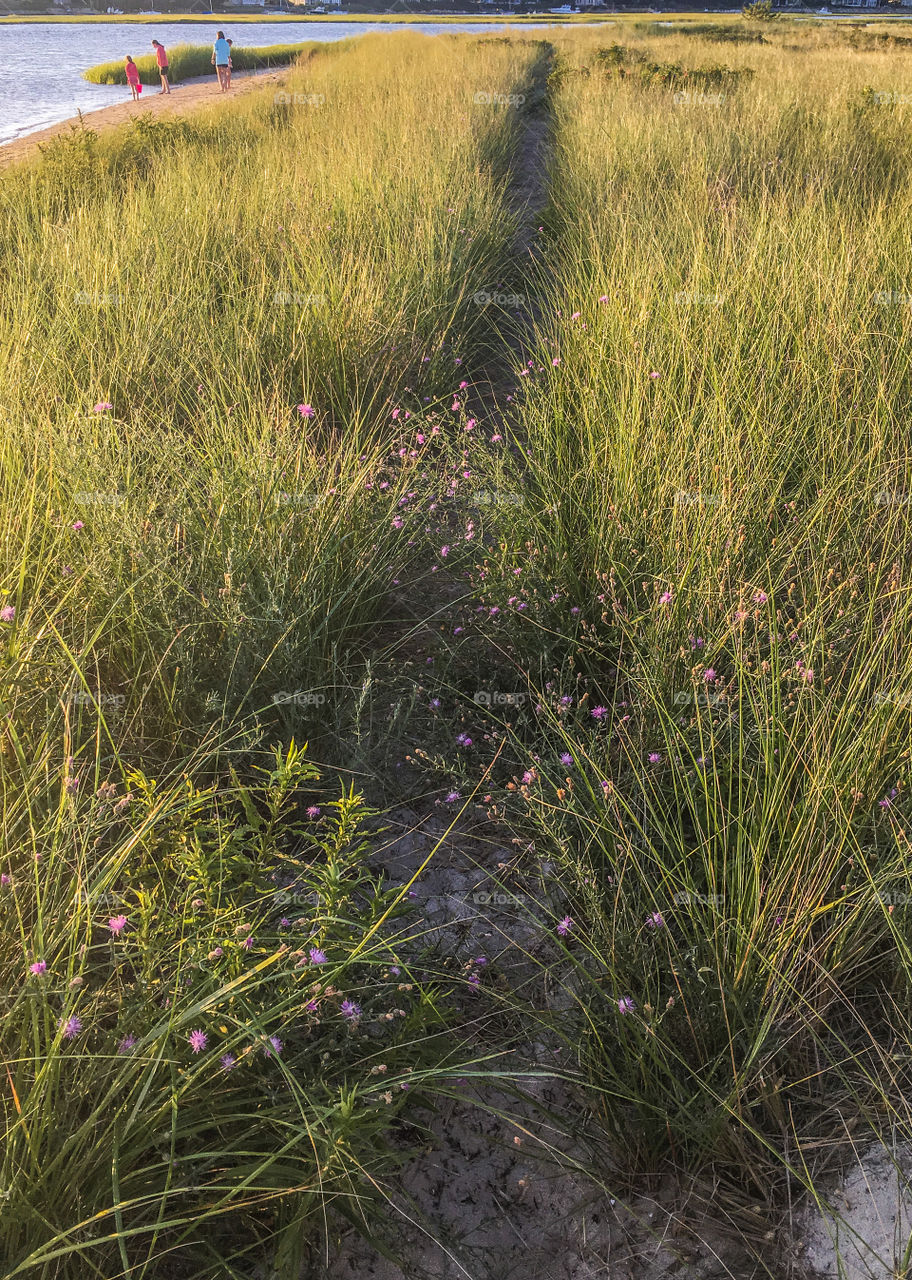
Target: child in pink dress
[133,78]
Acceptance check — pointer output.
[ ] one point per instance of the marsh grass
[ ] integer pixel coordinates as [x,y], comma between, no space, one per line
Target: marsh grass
[209,280]
[188,60]
[210,323]
[701,589]
[712,553]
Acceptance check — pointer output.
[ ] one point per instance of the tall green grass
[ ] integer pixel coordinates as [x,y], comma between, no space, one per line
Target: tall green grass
[706,587]
[209,325]
[214,331]
[188,60]
[690,590]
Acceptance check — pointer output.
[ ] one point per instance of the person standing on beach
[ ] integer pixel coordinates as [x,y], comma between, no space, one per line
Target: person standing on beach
[161,57]
[133,78]
[228,85]
[221,56]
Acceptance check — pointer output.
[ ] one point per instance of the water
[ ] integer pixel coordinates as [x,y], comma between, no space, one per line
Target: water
[41,64]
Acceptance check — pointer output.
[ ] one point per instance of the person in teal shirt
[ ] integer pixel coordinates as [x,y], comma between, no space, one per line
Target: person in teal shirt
[221,56]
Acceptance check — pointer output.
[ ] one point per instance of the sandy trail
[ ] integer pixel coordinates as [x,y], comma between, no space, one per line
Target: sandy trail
[187,94]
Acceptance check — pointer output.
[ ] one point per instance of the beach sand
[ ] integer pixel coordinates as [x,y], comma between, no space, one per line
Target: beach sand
[189,93]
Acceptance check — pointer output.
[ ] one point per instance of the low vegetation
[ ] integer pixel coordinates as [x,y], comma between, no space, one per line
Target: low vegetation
[596,540]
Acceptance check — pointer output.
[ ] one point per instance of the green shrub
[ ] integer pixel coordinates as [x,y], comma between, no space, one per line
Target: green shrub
[760,11]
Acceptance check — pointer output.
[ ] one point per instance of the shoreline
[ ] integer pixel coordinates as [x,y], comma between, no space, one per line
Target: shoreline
[367,18]
[189,93]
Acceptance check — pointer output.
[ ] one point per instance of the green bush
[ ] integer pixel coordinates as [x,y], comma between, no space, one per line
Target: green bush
[760,11]
[629,64]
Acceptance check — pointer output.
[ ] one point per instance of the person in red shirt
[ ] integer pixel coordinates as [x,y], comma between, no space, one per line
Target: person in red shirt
[133,78]
[161,57]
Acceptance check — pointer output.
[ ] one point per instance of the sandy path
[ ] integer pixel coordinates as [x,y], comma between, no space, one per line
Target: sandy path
[189,93]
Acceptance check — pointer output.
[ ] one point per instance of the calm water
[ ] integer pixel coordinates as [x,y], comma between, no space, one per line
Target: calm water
[41,64]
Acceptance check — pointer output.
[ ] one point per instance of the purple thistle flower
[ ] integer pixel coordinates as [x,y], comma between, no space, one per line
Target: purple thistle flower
[655,921]
[38,967]
[306,410]
[566,758]
[349,1009]
[463,740]
[227,1061]
[598,713]
[70,1027]
[198,1041]
[248,942]
[126,1044]
[117,924]
[453,796]
[654,757]
[709,675]
[313,811]
[274,1046]
[565,926]
[7,613]
[626,1005]
[317,956]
